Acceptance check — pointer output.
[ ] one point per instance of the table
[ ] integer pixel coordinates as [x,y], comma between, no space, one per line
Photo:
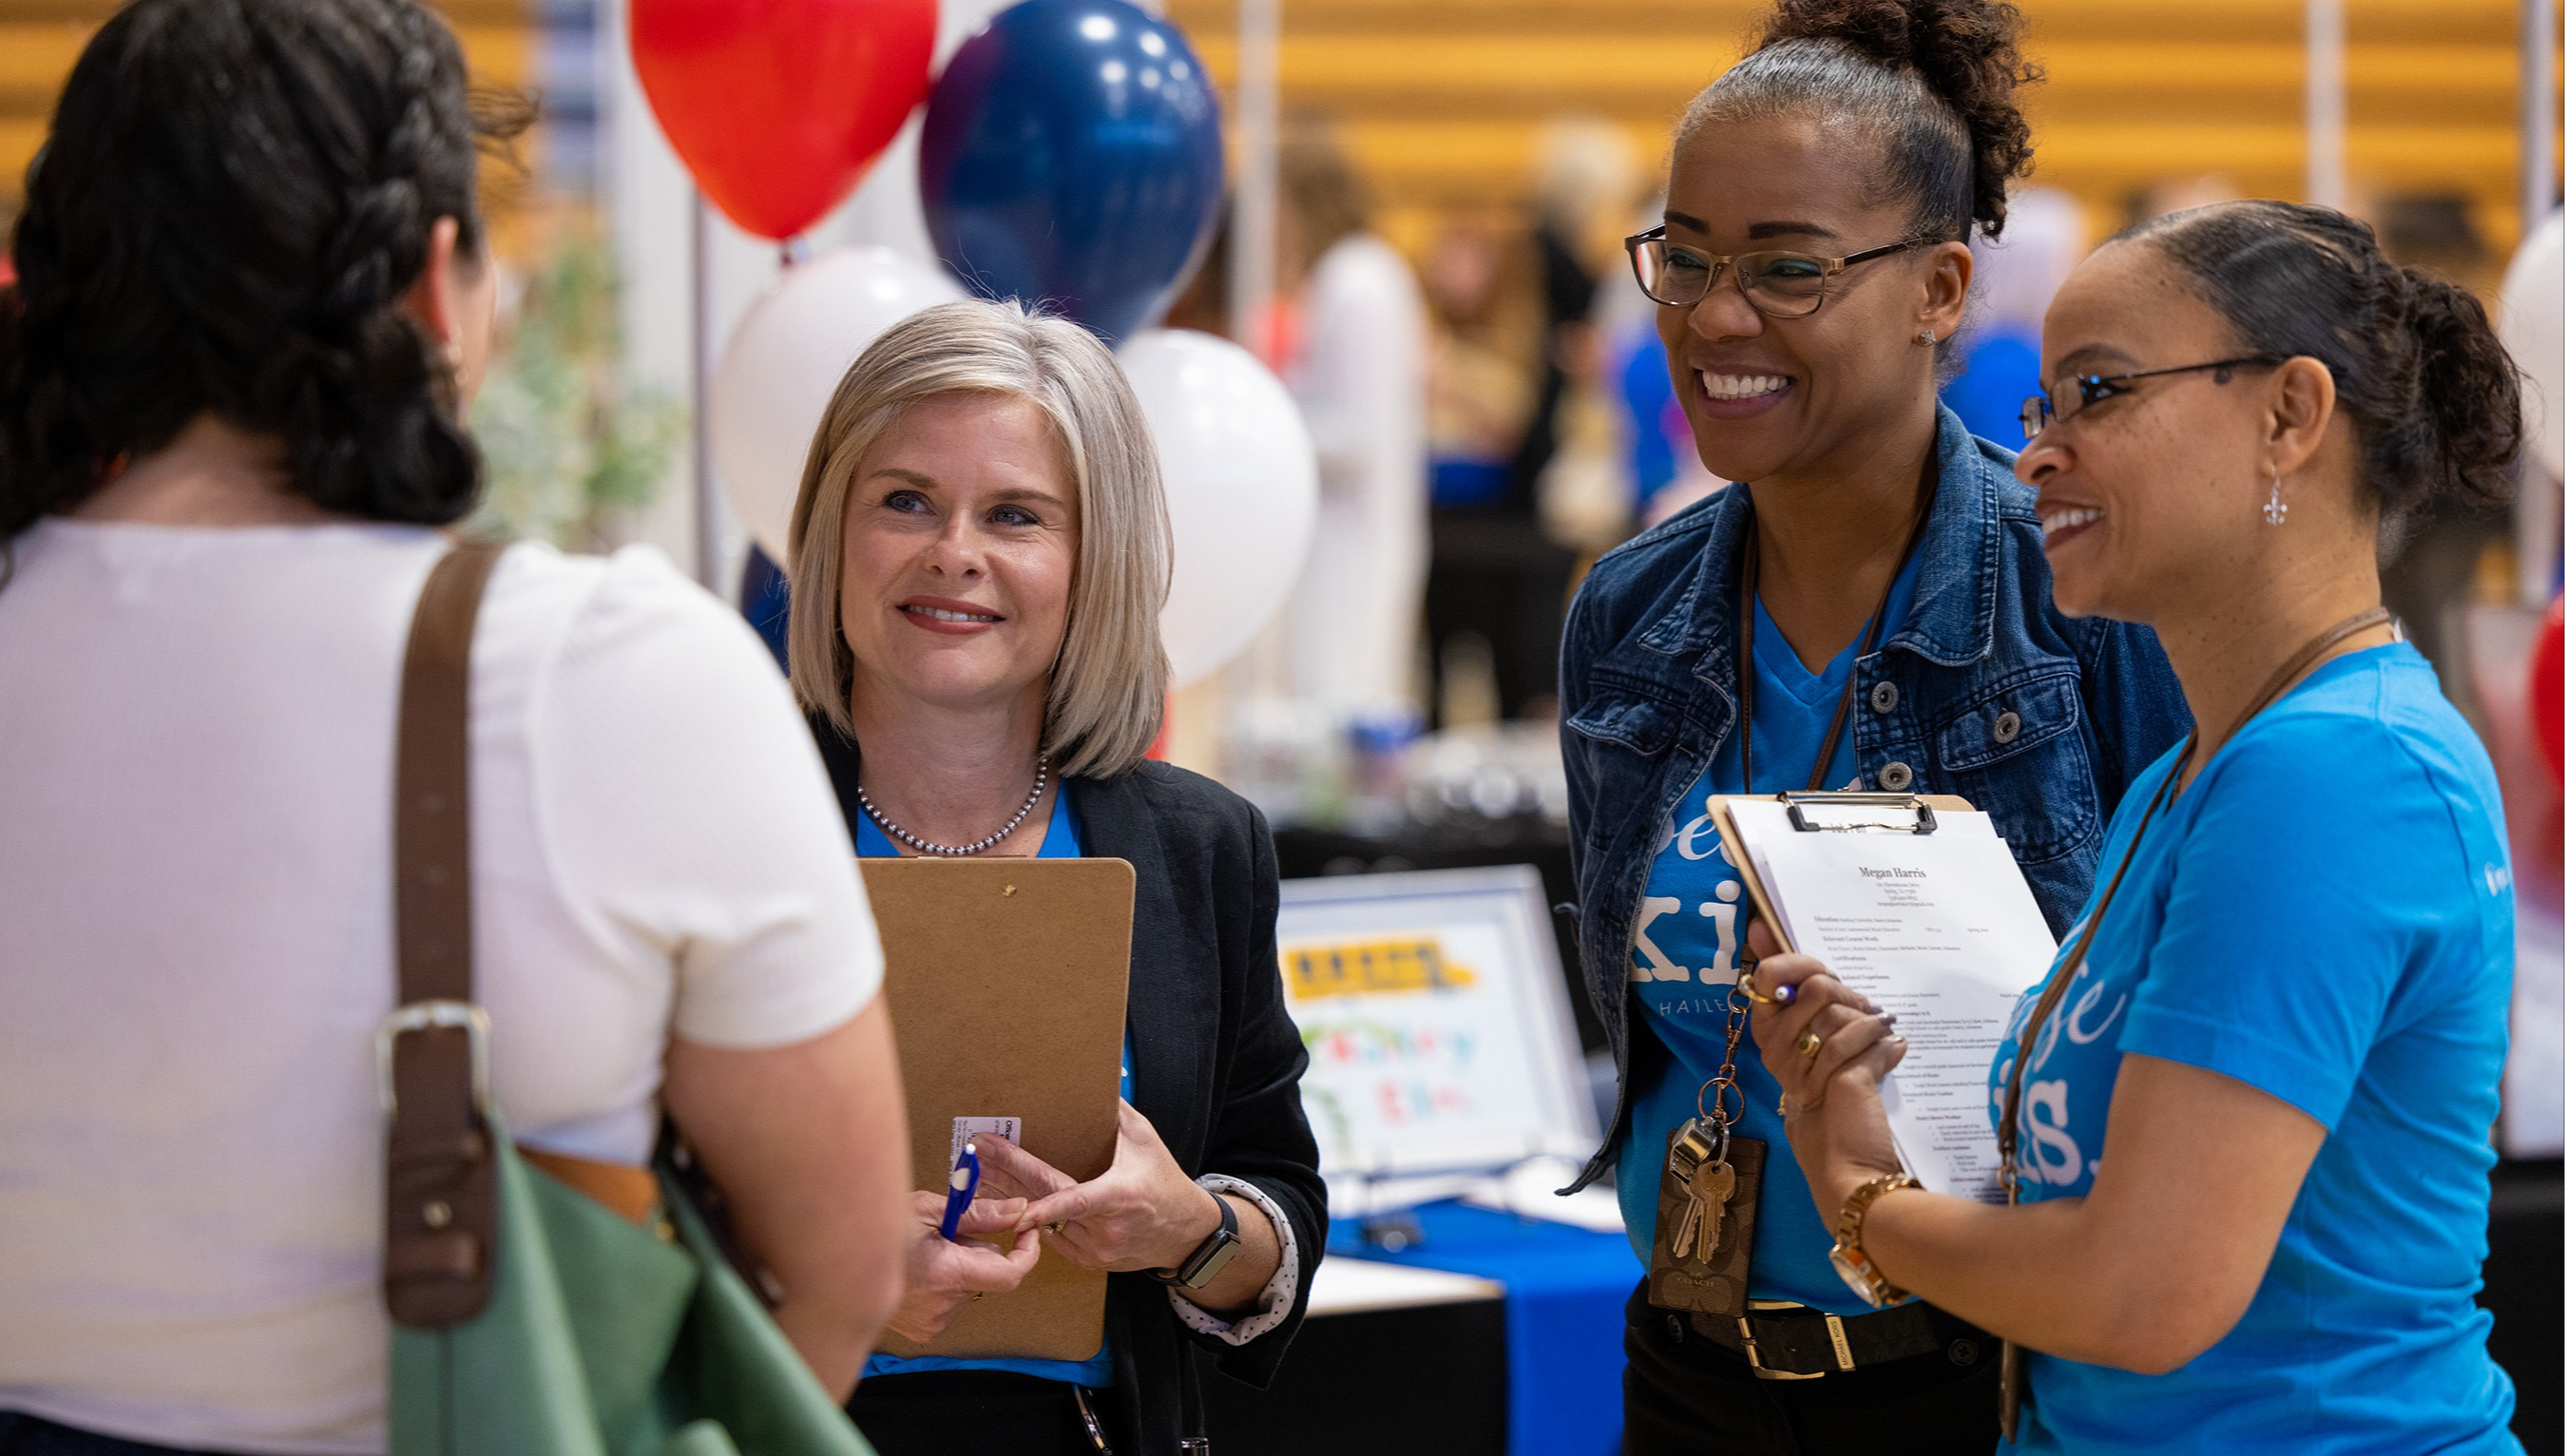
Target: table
[1498,1332]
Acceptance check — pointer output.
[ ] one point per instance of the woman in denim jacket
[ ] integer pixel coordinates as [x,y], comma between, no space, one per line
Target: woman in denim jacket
[1896,634]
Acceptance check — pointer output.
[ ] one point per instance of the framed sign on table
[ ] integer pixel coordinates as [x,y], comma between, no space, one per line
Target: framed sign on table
[1436,1020]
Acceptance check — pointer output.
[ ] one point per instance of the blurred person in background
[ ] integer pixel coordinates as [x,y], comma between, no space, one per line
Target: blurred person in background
[1868,607]
[2288,1002]
[1477,276]
[1481,278]
[982,531]
[1586,192]
[256,295]
[1359,377]
[2016,276]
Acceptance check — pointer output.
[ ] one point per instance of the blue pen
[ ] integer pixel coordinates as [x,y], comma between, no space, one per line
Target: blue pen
[961,1187]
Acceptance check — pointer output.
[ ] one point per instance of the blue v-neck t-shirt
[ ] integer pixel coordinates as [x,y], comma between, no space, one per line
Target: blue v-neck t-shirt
[1062,839]
[1690,928]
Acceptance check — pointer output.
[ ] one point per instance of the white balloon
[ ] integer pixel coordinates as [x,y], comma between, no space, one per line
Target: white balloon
[1242,483]
[2533,329]
[783,362]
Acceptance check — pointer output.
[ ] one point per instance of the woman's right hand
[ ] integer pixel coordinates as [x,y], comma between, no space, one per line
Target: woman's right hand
[944,1275]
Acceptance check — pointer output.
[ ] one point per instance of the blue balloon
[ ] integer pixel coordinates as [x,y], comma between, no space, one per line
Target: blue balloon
[1071,157]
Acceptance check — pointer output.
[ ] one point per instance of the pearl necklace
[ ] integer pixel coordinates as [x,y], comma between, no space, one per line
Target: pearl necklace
[1041,778]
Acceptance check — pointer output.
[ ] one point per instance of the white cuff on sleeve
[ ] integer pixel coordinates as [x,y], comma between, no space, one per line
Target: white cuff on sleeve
[1280,1291]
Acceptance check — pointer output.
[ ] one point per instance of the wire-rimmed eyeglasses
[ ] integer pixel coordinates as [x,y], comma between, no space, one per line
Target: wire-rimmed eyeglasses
[1779,284]
[2040,411]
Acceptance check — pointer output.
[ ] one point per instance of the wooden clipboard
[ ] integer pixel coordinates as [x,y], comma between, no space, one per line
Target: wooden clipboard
[1007,981]
[1744,862]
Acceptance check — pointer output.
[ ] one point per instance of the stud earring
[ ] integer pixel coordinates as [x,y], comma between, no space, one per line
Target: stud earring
[1926,338]
[2275,511]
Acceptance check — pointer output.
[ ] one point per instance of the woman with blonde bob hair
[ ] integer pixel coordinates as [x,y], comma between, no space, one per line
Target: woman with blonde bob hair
[979,556]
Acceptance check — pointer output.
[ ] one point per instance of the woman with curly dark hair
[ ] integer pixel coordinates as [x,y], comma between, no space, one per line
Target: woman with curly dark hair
[254,297]
[2246,1111]
[1868,607]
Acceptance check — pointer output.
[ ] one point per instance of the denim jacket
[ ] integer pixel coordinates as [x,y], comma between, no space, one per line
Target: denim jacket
[1986,690]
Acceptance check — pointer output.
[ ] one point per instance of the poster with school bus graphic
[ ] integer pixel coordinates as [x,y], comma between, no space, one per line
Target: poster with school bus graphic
[1437,1022]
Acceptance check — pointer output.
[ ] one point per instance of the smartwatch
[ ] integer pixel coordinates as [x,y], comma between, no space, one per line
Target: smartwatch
[1209,1256]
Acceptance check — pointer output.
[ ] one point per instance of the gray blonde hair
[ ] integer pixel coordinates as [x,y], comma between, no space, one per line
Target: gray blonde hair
[1109,687]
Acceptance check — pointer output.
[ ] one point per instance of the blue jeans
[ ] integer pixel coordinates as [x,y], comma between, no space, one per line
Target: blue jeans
[27,1435]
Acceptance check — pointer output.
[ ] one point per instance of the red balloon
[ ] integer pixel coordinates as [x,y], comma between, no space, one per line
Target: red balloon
[778,107]
[2547,687]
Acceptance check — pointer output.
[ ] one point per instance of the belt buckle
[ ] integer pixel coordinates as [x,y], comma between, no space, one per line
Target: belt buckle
[1755,1357]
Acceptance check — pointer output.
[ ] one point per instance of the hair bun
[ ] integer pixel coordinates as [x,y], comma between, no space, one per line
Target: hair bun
[2468,388]
[1969,52]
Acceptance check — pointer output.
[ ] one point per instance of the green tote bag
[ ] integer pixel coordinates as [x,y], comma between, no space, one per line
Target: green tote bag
[528,1319]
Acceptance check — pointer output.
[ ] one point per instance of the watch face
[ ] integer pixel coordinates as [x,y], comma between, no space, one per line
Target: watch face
[1854,1275]
[1214,1262]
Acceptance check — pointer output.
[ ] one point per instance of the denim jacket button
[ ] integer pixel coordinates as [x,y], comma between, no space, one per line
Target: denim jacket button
[1883,697]
[2007,727]
[1896,778]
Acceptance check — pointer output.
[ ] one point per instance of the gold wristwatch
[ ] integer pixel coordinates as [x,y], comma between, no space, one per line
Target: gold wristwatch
[1849,1259]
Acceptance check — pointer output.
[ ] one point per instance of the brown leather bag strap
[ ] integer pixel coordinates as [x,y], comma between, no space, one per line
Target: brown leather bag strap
[440,1207]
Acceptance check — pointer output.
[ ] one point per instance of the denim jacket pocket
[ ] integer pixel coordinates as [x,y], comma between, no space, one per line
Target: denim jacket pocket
[2018,752]
[1616,714]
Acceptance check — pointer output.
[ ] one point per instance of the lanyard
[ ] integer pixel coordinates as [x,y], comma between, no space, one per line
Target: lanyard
[1746,581]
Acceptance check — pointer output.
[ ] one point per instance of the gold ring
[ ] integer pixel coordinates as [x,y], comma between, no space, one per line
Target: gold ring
[1746,983]
[1808,1044]
[1055,1228]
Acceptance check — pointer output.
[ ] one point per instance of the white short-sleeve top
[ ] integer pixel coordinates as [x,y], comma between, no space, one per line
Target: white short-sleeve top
[196,745]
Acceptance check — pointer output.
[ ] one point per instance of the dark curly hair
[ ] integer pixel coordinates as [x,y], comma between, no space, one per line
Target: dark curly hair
[1932,80]
[2433,394]
[233,200]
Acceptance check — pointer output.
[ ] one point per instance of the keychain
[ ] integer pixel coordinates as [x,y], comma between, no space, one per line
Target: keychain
[1705,1196]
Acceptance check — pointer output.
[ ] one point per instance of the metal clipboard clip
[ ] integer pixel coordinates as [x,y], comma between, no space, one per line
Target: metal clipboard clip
[1922,824]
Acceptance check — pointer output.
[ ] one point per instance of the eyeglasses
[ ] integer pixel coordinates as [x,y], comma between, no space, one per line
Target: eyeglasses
[1779,284]
[2040,411]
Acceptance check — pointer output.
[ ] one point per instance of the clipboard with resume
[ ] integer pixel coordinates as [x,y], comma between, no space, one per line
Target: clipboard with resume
[1915,901]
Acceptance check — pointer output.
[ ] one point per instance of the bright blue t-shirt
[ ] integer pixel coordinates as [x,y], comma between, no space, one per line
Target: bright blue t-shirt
[2324,914]
[1682,959]
[1061,841]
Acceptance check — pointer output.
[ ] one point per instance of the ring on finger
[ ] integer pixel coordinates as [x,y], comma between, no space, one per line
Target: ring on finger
[1809,1045]
[1746,983]
[1054,1227]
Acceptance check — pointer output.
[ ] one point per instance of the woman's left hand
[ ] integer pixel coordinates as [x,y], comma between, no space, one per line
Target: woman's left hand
[1830,1099]
[1141,1213]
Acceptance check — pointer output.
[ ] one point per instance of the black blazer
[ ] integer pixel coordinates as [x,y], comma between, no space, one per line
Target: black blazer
[1216,1058]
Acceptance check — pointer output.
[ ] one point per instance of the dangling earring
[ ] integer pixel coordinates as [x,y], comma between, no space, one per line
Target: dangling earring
[1926,338]
[2275,511]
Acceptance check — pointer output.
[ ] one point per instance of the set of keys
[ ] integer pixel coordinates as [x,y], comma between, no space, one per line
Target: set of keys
[1696,1160]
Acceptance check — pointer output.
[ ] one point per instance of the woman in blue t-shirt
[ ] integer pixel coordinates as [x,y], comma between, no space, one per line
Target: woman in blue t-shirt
[1868,606]
[2249,1110]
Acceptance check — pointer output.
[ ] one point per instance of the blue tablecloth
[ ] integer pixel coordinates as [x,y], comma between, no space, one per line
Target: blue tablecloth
[1564,1290]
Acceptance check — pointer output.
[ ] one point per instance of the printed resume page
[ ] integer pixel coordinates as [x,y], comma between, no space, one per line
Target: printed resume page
[1939,929]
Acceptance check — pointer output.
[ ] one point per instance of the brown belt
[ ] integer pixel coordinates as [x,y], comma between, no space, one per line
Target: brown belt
[629,1191]
[1788,1342]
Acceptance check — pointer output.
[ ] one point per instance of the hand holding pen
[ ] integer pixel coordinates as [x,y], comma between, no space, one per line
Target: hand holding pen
[948,1265]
